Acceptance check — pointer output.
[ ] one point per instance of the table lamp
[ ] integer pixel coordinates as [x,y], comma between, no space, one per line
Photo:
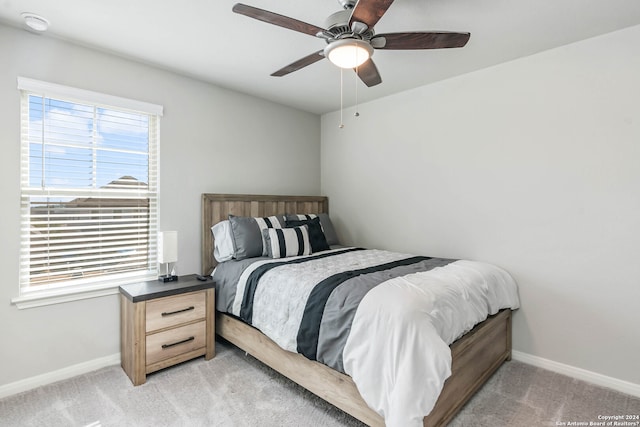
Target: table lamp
[167,253]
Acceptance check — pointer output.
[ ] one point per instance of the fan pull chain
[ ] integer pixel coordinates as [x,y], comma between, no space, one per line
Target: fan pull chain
[356,114]
[341,84]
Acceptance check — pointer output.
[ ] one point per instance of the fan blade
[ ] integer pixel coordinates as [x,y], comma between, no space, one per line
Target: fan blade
[275,19]
[300,63]
[368,73]
[420,40]
[369,11]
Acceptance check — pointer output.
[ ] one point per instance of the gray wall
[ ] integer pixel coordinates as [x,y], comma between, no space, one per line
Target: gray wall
[212,140]
[533,165]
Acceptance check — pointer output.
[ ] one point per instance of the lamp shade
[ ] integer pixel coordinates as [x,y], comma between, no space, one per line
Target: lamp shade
[167,246]
[348,53]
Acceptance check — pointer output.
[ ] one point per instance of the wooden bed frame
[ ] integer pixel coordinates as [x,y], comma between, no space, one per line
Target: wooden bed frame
[476,356]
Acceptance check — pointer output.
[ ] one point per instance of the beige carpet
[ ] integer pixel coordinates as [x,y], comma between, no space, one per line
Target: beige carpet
[235,390]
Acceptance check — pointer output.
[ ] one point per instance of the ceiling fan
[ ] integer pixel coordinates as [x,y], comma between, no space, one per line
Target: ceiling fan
[351,39]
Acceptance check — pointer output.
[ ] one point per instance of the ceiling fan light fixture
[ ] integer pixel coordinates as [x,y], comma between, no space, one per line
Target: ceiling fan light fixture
[348,53]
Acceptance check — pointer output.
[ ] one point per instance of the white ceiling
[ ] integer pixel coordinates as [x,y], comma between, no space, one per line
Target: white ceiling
[206,40]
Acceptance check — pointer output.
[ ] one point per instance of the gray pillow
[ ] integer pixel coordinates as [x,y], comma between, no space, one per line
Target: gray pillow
[325,221]
[329,232]
[247,235]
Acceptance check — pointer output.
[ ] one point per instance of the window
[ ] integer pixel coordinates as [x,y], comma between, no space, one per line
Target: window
[89,190]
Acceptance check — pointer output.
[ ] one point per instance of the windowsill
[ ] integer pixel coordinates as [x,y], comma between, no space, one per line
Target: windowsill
[59,296]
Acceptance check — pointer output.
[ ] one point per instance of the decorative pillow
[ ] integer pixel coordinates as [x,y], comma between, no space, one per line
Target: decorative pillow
[327,226]
[286,242]
[223,241]
[247,237]
[316,235]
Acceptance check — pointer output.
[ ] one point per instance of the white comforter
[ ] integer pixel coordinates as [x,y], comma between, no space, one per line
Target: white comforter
[397,352]
[409,323]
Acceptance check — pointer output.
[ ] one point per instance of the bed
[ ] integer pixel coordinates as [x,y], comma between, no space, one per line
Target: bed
[474,357]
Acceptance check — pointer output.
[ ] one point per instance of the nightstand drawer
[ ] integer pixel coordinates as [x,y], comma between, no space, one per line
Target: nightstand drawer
[173,342]
[175,310]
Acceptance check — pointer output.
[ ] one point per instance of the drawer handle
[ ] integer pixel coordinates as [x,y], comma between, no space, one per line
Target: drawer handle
[165,346]
[177,311]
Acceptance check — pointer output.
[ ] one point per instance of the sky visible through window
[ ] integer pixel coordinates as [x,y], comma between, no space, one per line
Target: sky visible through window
[79,146]
[88,192]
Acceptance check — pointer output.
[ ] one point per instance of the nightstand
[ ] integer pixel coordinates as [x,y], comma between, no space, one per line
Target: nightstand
[162,324]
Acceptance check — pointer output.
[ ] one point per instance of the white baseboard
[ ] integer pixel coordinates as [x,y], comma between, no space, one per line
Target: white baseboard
[60,374]
[114,359]
[578,373]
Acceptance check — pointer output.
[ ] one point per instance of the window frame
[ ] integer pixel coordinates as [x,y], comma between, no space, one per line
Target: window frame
[59,293]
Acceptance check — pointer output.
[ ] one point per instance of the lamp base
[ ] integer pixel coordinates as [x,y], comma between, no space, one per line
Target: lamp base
[168,278]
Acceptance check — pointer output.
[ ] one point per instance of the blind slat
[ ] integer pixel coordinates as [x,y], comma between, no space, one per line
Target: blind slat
[89,207]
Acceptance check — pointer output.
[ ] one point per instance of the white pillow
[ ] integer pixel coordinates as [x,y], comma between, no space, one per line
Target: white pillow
[223,241]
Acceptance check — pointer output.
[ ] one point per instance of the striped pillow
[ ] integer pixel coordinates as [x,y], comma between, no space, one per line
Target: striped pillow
[327,226]
[316,235]
[286,242]
[268,222]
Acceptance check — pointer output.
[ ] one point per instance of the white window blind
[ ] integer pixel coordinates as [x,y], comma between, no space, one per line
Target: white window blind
[89,188]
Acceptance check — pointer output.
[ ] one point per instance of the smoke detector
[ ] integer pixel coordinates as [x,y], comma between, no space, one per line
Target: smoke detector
[35,22]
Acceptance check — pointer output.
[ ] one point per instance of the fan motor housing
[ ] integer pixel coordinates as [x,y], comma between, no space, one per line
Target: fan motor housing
[337,20]
[337,24]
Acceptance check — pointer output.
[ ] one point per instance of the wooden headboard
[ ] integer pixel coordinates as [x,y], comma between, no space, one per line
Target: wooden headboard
[217,207]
